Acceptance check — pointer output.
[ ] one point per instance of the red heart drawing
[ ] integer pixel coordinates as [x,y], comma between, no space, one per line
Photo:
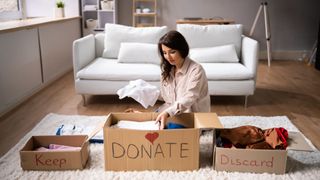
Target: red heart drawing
[152,136]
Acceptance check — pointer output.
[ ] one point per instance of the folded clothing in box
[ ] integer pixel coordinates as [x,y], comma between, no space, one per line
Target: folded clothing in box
[71,129]
[144,125]
[57,147]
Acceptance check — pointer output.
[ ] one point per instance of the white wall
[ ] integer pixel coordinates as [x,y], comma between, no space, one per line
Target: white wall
[45,8]
[294,23]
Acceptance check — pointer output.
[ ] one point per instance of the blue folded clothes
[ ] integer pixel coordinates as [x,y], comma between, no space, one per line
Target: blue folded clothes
[70,129]
[171,125]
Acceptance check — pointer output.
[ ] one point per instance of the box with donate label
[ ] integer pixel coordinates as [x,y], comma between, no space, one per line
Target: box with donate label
[169,149]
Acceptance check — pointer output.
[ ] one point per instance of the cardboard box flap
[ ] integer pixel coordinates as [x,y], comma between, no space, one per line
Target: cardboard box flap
[298,142]
[207,121]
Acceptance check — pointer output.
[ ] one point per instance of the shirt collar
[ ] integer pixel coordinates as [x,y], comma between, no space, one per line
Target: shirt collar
[185,66]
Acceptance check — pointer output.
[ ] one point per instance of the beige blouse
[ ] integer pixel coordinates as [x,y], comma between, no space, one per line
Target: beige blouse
[187,91]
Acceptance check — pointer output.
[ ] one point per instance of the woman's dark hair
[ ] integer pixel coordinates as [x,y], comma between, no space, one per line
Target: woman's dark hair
[174,40]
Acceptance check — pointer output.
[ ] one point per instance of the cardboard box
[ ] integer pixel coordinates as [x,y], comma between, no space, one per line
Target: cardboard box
[170,149]
[257,160]
[54,160]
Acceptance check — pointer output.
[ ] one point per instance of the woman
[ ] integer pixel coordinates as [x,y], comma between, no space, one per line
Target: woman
[184,84]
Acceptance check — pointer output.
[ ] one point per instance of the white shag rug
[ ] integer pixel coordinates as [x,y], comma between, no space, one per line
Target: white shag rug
[300,165]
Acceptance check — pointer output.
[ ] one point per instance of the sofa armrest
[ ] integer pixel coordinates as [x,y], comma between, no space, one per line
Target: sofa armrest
[99,44]
[250,54]
[83,52]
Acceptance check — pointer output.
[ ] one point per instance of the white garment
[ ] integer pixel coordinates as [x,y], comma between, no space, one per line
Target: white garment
[141,91]
[143,125]
[71,129]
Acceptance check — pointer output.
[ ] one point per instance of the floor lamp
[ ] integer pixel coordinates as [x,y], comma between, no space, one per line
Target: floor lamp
[263,6]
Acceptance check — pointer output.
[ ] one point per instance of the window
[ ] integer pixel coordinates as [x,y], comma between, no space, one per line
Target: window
[10,9]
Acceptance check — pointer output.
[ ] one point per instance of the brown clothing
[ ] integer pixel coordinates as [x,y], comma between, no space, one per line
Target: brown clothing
[252,137]
[243,135]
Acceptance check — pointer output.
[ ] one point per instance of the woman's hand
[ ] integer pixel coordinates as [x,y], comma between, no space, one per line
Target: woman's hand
[162,119]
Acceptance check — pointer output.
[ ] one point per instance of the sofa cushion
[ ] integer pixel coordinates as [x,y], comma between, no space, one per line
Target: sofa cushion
[115,34]
[199,36]
[226,71]
[226,53]
[138,53]
[110,69]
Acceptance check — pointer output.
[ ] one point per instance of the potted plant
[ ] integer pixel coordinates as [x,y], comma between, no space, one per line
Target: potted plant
[59,9]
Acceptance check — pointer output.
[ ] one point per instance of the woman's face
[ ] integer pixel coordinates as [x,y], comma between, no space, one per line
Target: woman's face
[172,56]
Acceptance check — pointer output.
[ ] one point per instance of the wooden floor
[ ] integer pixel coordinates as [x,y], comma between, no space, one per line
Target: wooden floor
[288,88]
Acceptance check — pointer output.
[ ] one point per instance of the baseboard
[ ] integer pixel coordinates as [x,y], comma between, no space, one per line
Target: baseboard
[299,55]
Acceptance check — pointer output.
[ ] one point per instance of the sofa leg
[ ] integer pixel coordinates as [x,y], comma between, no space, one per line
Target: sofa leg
[246,101]
[84,99]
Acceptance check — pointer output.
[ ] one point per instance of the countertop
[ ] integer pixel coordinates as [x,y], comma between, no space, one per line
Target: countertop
[9,26]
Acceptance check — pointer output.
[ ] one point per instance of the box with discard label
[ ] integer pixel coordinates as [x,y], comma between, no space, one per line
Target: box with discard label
[257,160]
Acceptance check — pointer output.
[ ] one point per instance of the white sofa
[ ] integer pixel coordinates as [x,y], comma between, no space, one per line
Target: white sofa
[102,65]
